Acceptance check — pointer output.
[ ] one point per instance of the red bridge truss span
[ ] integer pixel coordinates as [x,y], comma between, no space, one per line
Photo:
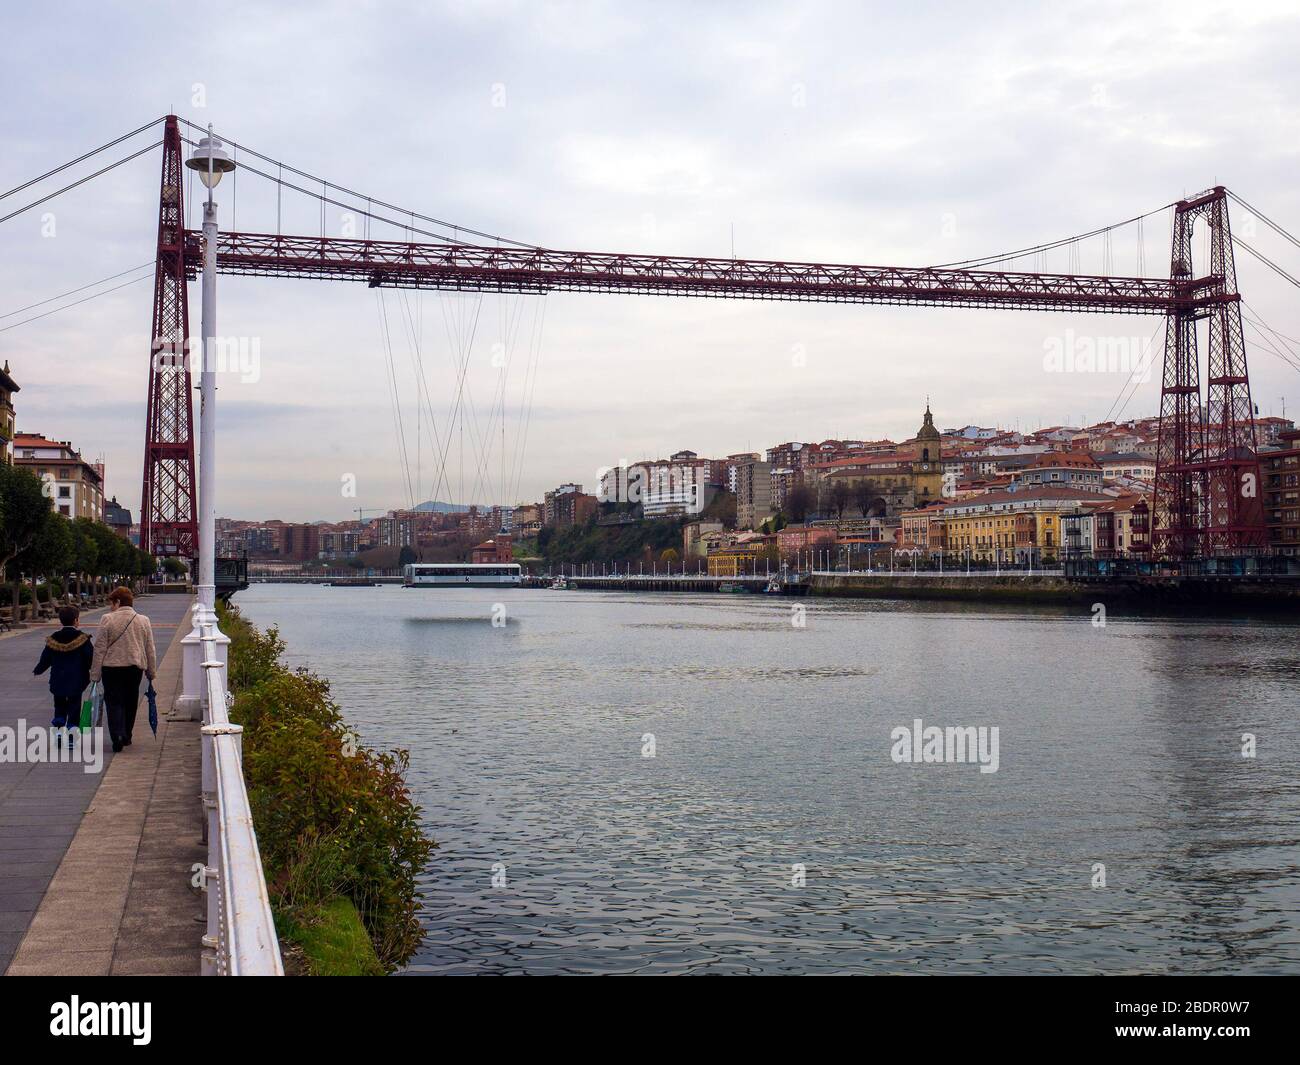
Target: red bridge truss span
[1207,478]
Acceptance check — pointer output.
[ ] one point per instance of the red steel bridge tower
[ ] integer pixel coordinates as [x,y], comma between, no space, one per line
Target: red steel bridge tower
[168,515]
[1207,474]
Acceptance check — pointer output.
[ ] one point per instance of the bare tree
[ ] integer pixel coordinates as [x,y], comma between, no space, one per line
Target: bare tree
[840,493]
[864,497]
[798,501]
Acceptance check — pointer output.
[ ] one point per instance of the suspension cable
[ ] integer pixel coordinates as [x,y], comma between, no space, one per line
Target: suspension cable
[1268,346]
[1039,248]
[353,208]
[1266,261]
[362,196]
[82,181]
[1265,219]
[75,303]
[73,292]
[79,159]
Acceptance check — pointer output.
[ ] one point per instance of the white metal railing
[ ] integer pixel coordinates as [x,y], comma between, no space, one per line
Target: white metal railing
[240,938]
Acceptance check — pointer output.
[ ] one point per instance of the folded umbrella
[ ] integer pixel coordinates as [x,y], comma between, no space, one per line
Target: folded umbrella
[152,696]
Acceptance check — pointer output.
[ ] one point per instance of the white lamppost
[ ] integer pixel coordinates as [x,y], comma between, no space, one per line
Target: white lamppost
[210,162]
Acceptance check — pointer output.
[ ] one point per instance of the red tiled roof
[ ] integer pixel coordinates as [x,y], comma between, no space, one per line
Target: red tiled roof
[1034,492]
[1063,458]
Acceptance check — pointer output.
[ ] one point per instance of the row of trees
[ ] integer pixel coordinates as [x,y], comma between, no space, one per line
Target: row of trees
[839,497]
[39,544]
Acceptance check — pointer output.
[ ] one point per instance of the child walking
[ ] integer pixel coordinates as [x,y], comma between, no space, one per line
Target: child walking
[67,655]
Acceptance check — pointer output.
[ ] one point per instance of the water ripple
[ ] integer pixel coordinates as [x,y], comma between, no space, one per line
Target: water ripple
[771,832]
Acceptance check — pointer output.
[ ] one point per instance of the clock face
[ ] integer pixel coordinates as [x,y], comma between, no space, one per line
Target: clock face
[925,466]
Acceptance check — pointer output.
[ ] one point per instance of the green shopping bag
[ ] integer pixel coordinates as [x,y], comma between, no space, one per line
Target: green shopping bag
[88,707]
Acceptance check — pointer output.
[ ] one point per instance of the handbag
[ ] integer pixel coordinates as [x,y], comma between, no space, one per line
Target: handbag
[88,707]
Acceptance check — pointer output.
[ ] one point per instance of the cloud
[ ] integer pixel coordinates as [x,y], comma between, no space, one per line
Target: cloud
[909,134]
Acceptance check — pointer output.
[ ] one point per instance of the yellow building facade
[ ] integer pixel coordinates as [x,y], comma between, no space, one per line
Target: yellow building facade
[1014,527]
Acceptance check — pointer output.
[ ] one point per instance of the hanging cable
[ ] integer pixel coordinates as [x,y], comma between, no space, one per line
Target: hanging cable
[527,393]
[1134,379]
[355,209]
[361,196]
[392,384]
[1036,248]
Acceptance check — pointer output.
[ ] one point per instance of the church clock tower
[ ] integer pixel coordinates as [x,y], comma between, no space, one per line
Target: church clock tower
[927,463]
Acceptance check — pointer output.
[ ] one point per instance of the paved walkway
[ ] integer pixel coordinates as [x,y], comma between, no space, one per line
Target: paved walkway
[95,868]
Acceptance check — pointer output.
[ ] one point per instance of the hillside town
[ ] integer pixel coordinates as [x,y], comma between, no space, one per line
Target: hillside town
[974,495]
[971,495]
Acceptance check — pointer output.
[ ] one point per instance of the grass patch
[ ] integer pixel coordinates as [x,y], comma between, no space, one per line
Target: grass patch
[332,940]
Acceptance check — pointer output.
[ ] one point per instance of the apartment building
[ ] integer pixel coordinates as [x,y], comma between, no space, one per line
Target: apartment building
[1280,470]
[676,488]
[1023,525]
[568,505]
[118,518]
[75,485]
[1116,528]
[1127,464]
[1068,469]
[753,492]
[8,386]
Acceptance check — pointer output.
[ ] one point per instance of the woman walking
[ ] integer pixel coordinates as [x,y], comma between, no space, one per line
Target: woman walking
[123,651]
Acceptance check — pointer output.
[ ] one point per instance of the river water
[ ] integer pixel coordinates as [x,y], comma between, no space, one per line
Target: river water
[771,831]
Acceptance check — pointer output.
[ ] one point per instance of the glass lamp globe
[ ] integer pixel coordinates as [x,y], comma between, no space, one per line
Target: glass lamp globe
[210,160]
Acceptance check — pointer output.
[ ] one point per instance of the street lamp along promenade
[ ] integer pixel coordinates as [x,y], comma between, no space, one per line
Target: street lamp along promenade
[211,163]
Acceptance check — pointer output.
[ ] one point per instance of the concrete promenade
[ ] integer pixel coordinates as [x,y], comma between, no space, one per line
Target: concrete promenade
[95,868]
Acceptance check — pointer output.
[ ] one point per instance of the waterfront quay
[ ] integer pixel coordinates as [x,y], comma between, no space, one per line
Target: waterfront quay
[95,868]
[1044,585]
[1147,590]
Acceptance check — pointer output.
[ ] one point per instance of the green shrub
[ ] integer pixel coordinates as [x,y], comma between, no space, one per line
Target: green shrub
[334,817]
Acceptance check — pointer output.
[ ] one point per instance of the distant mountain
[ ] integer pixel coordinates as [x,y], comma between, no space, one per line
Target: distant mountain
[434,507]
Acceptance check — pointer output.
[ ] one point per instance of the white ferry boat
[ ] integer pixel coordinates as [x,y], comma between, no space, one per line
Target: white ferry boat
[462,575]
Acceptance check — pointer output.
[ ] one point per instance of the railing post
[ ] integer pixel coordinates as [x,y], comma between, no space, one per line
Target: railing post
[215,948]
[210,958]
[240,933]
[191,698]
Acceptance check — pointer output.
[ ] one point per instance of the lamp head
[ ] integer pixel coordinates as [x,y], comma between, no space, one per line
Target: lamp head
[210,160]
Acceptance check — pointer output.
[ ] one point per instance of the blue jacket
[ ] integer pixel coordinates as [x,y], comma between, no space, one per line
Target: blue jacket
[67,656]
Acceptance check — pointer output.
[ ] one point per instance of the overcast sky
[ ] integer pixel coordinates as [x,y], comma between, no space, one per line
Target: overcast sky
[905,134]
